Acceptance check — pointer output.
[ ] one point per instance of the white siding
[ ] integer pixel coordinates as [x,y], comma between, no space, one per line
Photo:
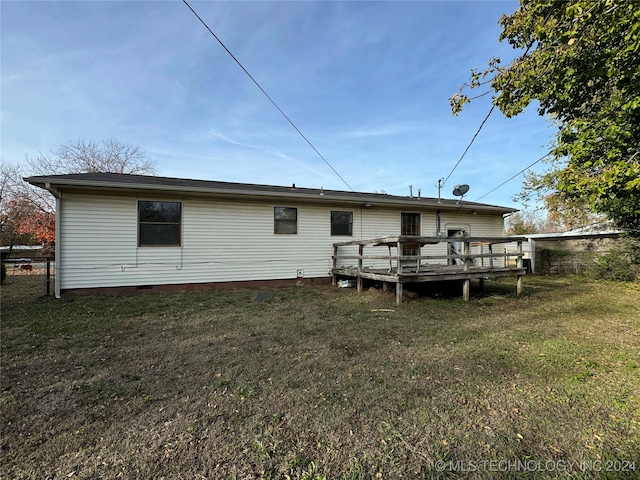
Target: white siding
[221,241]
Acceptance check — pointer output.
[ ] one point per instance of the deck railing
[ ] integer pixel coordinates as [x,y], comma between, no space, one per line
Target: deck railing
[461,265]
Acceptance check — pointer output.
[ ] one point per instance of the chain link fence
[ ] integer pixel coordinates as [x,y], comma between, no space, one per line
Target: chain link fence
[28,277]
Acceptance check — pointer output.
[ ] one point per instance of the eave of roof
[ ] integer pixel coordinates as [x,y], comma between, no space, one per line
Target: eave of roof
[125,183]
[572,236]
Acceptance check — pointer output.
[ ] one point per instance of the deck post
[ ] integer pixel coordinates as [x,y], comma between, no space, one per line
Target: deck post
[398,293]
[47,284]
[359,279]
[467,260]
[335,265]
[519,265]
[400,253]
[466,283]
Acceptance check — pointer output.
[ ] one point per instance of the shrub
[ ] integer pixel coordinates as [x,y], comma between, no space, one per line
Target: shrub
[621,263]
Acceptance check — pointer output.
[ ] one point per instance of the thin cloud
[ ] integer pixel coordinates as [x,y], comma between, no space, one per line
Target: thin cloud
[386,130]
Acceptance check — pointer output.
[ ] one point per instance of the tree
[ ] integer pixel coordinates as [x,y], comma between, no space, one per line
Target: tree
[12,208]
[83,156]
[39,224]
[582,66]
[522,223]
[534,221]
[27,213]
[566,214]
[23,220]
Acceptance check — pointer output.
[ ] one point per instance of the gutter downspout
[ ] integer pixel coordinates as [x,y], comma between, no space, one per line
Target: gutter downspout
[58,273]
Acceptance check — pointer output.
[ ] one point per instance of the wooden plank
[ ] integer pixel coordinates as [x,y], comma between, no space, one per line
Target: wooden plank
[359,278]
[366,242]
[424,257]
[335,265]
[394,239]
[491,258]
[365,257]
[426,278]
[519,263]
[466,256]
[372,276]
[443,270]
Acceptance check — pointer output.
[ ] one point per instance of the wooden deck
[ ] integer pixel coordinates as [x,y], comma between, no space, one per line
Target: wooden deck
[461,265]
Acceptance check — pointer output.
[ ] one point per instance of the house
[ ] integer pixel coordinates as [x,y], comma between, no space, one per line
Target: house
[118,232]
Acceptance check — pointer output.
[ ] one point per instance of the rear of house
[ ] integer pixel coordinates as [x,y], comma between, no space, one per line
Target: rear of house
[116,231]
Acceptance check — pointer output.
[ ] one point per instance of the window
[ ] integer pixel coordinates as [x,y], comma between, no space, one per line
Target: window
[285,220]
[410,224]
[159,224]
[342,223]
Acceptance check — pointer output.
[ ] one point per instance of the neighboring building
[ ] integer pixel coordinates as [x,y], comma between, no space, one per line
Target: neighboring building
[571,251]
[115,231]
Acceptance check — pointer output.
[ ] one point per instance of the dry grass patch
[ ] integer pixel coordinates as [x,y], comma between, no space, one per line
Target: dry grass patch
[322,383]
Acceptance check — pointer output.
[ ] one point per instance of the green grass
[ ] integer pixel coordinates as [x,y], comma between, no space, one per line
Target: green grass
[324,383]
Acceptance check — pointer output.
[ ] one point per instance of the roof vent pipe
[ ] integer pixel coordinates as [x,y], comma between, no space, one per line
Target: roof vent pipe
[411,191]
[419,192]
[321,191]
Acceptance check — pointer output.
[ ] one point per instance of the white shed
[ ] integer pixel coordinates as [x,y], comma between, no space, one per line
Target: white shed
[127,232]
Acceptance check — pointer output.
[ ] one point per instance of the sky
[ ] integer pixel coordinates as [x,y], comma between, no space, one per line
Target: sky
[367,83]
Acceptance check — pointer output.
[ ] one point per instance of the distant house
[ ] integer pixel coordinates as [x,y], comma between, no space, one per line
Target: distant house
[117,232]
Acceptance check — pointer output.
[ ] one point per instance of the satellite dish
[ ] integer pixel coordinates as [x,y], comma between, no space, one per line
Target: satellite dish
[460,190]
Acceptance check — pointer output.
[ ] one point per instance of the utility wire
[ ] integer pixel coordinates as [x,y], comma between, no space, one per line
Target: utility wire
[526,52]
[267,95]
[469,146]
[514,176]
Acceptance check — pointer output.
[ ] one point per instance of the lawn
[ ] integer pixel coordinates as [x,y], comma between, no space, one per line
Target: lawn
[319,382]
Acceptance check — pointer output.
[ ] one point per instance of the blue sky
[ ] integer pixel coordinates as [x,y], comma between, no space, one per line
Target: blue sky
[368,84]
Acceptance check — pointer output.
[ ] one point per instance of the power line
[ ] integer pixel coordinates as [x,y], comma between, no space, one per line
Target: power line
[514,176]
[267,95]
[526,52]
[469,146]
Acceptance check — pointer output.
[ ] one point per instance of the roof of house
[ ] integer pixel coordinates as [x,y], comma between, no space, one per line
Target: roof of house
[153,185]
[600,229]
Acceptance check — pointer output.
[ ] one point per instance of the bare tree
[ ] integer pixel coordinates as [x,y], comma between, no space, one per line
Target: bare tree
[27,210]
[15,206]
[531,221]
[82,156]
